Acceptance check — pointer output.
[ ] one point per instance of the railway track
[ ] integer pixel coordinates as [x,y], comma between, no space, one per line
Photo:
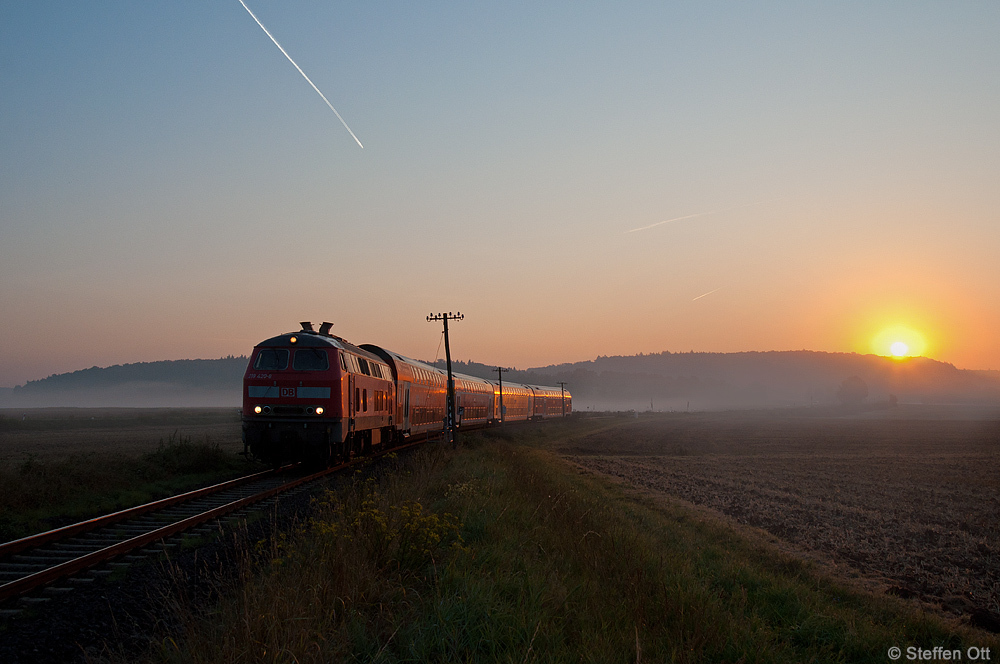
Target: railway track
[35,568]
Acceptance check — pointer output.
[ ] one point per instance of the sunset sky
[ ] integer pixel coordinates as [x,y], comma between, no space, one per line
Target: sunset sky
[171,187]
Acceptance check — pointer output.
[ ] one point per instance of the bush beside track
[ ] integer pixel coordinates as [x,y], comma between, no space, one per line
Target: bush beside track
[501,551]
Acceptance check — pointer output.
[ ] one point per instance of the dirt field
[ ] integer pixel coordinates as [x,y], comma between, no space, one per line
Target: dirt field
[909,499]
[51,433]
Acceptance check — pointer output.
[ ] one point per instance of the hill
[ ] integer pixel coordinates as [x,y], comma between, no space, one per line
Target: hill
[173,383]
[659,381]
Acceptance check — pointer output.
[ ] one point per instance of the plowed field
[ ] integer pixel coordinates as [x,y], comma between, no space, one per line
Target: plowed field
[913,503]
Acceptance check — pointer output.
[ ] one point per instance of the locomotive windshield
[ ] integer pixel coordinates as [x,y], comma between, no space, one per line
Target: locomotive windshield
[272,359]
[310,359]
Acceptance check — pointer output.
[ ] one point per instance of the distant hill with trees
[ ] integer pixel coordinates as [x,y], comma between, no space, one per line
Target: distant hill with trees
[657,381]
[143,384]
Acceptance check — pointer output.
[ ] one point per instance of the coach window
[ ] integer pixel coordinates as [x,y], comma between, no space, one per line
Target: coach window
[310,359]
[271,359]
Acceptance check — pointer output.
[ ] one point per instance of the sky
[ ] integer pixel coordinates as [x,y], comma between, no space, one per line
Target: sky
[577,178]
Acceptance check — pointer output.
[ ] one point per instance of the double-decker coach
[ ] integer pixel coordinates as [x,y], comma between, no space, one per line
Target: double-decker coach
[421,392]
[422,395]
[548,402]
[473,401]
[517,402]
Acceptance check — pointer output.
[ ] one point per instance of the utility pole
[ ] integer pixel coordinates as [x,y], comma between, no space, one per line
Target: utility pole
[562,384]
[500,372]
[450,420]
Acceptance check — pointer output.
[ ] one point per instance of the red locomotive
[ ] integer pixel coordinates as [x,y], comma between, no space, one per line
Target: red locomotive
[312,396]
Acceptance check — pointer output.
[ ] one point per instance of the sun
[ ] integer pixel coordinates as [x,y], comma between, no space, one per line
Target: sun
[899,341]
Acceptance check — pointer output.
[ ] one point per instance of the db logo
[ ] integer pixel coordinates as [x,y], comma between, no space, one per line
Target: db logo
[288,392]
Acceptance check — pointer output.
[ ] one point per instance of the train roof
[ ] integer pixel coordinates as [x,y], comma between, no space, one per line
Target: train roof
[387,354]
[312,339]
[397,359]
[548,388]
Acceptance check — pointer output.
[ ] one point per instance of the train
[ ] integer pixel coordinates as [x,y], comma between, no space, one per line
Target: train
[312,396]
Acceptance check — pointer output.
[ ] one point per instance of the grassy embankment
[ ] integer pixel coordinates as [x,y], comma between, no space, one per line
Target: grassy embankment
[48,490]
[503,552]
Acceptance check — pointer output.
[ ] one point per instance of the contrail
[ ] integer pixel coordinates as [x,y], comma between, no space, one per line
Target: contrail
[667,221]
[302,72]
[701,214]
[708,293]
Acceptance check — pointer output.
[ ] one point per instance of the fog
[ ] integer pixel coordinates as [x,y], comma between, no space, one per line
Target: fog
[658,382]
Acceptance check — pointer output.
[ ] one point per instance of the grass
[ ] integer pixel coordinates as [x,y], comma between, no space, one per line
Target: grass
[502,552]
[43,493]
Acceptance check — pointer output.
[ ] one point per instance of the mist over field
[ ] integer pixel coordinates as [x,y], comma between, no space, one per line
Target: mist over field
[713,381]
[659,381]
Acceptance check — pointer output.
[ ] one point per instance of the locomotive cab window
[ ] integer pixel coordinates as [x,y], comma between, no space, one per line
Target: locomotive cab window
[271,359]
[310,359]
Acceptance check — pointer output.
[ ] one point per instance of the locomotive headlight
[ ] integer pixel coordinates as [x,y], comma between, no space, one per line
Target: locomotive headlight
[319,410]
[293,340]
[257,409]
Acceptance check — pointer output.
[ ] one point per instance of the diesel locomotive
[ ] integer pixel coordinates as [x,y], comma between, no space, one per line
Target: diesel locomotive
[312,396]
